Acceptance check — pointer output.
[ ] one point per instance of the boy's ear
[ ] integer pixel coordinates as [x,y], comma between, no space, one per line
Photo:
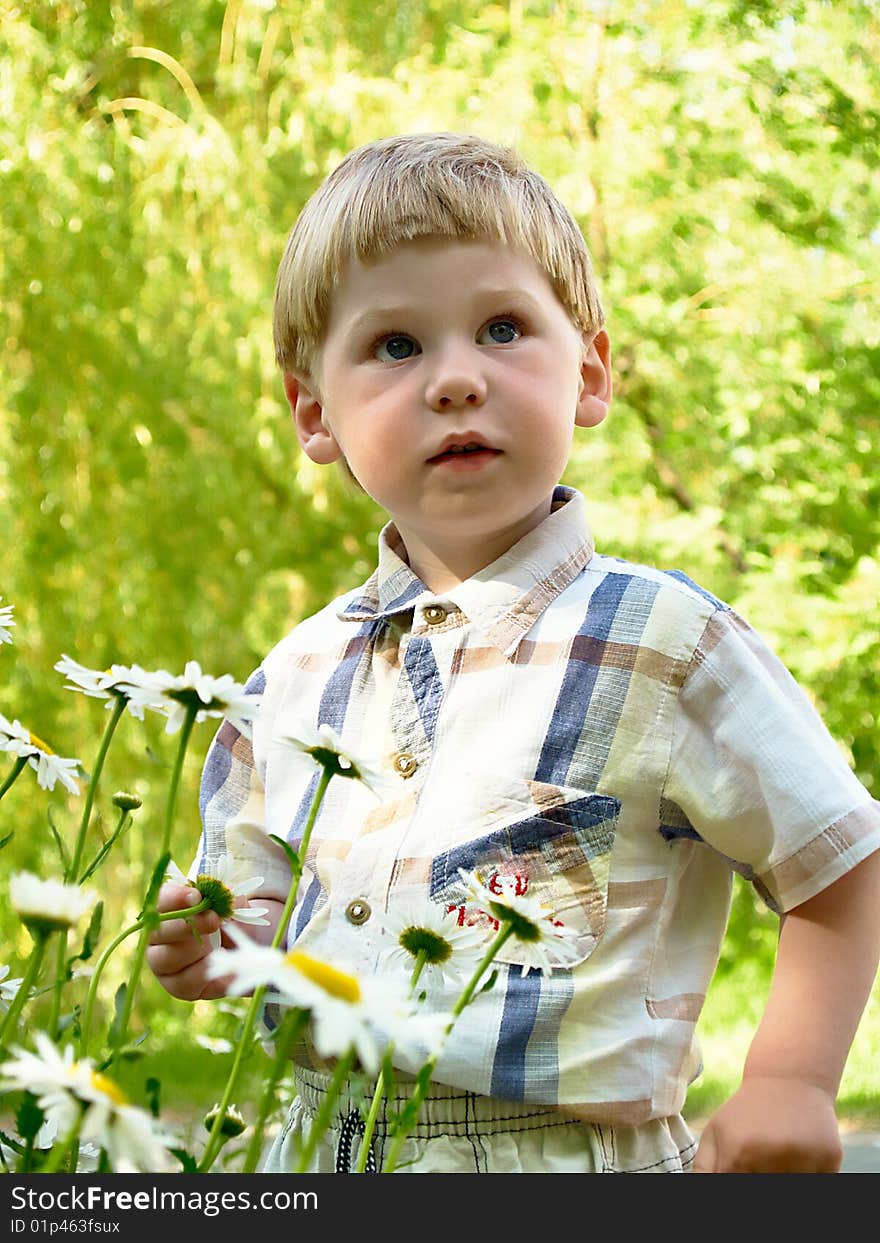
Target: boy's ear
[312,428]
[594,398]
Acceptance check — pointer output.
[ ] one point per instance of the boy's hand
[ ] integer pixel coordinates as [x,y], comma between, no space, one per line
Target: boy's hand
[772,1126]
[176,956]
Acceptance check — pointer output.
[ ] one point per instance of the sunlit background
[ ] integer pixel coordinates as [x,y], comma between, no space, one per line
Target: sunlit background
[720,157]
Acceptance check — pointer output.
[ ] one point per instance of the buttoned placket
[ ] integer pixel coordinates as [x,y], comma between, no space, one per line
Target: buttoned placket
[425,654]
[426,638]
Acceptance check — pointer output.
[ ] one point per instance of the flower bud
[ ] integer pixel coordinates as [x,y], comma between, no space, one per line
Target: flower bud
[232,1125]
[125,801]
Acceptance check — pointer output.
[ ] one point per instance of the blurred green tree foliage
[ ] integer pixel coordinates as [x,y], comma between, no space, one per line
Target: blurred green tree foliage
[721,159]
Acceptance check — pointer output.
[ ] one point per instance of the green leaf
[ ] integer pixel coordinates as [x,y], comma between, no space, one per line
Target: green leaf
[490,983]
[128,1053]
[153,1088]
[154,886]
[11,1142]
[67,1021]
[91,935]
[124,822]
[62,849]
[292,857]
[118,1008]
[189,1165]
[29,1117]
[4,841]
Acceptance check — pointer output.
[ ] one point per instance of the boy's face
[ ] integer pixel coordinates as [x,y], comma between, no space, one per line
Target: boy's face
[441,345]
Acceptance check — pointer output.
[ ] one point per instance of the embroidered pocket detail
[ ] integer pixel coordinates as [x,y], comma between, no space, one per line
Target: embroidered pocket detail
[559,854]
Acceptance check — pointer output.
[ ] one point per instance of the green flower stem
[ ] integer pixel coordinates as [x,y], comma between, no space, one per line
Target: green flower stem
[140,952]
[317,800]
[76,858]
[417,970]
[17,768]
[109,730]
[215,1138]
[124,817]
[421,1088]
[60,971]
[291,1026]
[31,973]
[325,1114]
[186,730]
[86,1023]
[370,1124]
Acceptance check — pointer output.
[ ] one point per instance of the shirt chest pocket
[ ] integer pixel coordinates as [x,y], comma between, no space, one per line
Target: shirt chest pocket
[559,852]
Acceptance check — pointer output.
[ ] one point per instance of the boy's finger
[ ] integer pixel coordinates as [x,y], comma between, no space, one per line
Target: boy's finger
[177,930]
[165,960]
[191,984]
[174,897]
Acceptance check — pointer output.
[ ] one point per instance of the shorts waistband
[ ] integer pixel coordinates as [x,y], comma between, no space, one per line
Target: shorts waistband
[445,1110]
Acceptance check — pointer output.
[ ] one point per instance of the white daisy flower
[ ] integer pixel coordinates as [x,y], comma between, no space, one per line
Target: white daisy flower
[65,1087]
[47,905]
[48,1135]
[452,951]
[51,768]
[52,1076]
[347,1011]
[130,1135]
[417,1035]
[48,766]
[116,682]
[6,623]
[45,1138]
[326,747]
[544,942]
[250,965]
[8,988]
[175,696]
[15,738]
[227,881]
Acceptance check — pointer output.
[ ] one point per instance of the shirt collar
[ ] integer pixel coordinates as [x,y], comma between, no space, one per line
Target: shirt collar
[505,599]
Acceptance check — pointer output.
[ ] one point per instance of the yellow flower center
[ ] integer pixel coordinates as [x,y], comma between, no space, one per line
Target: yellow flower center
[336,983]
[102,1084]
[38,742]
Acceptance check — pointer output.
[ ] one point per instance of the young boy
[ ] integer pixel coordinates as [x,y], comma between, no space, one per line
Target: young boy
[611,736]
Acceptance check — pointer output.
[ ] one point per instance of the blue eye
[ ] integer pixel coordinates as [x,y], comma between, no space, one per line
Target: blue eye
[396,348]
[500,332]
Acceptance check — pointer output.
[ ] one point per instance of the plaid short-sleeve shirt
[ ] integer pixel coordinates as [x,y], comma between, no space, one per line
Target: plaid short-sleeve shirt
[609,734]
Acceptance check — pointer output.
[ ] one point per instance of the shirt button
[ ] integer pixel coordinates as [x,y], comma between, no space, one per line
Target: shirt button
[405,764]
[358,911]
[435,614]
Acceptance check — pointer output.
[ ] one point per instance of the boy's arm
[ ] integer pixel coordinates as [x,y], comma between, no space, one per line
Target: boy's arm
[782,1118]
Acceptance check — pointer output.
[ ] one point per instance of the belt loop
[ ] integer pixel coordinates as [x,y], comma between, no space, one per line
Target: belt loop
[351,1126]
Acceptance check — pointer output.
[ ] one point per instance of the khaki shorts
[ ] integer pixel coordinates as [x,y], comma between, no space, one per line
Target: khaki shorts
[459,1132]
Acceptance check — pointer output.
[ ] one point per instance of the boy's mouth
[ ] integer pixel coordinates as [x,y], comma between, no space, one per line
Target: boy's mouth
[464,452]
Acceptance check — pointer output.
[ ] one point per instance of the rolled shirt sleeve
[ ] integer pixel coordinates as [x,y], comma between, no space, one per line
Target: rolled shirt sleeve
[232,802]
[757,775]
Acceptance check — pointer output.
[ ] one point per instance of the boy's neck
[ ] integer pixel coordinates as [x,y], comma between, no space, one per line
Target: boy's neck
[443,562]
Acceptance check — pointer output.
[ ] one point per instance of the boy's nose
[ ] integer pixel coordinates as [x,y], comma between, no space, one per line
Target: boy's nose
[455,384]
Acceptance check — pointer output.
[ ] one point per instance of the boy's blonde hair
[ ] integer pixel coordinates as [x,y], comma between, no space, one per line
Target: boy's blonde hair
[398,189]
